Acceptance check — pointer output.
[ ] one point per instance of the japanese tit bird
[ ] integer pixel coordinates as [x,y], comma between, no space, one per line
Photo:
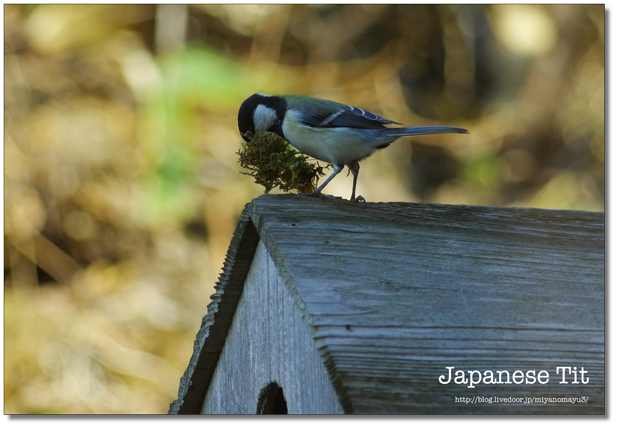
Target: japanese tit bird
[328,131]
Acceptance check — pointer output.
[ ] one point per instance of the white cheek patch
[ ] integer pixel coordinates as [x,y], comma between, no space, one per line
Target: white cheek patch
[264,117]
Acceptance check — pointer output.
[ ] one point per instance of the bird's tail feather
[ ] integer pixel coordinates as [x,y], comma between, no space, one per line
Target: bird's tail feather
[417,131]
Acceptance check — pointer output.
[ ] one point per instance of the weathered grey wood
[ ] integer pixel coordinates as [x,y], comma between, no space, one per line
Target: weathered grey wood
[394,293]
[216,322]
[268,341]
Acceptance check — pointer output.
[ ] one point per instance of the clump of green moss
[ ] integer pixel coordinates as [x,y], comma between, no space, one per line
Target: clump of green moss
[273,162]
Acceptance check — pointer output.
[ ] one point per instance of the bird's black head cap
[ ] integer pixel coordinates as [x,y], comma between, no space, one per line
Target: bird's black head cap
[271,111]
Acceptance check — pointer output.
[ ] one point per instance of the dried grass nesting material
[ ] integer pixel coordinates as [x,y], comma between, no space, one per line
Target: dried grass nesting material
[273,162]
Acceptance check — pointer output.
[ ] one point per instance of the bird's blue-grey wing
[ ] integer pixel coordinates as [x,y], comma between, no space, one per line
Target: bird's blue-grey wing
[347,116]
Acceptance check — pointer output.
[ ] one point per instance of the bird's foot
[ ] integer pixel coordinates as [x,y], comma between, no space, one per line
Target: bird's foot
[358,199]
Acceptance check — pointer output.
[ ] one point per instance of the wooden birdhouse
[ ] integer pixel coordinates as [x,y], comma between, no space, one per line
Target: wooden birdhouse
[328,307]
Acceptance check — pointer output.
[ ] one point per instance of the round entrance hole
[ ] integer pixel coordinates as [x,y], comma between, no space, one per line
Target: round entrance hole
[271,400]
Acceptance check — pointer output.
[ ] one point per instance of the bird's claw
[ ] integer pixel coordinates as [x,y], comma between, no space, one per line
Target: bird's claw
[358,199]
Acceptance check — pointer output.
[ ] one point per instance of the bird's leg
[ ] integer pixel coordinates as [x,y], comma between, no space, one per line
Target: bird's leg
[337,169]
[355,168]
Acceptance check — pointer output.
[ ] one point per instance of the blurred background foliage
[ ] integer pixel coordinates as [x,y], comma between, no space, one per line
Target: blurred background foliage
[122,186]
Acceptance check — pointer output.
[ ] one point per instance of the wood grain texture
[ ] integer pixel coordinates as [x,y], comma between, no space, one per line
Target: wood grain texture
[215,324]
[268,342]
[394,293]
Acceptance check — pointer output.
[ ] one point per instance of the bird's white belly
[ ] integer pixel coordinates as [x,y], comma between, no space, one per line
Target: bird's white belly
[329,145]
